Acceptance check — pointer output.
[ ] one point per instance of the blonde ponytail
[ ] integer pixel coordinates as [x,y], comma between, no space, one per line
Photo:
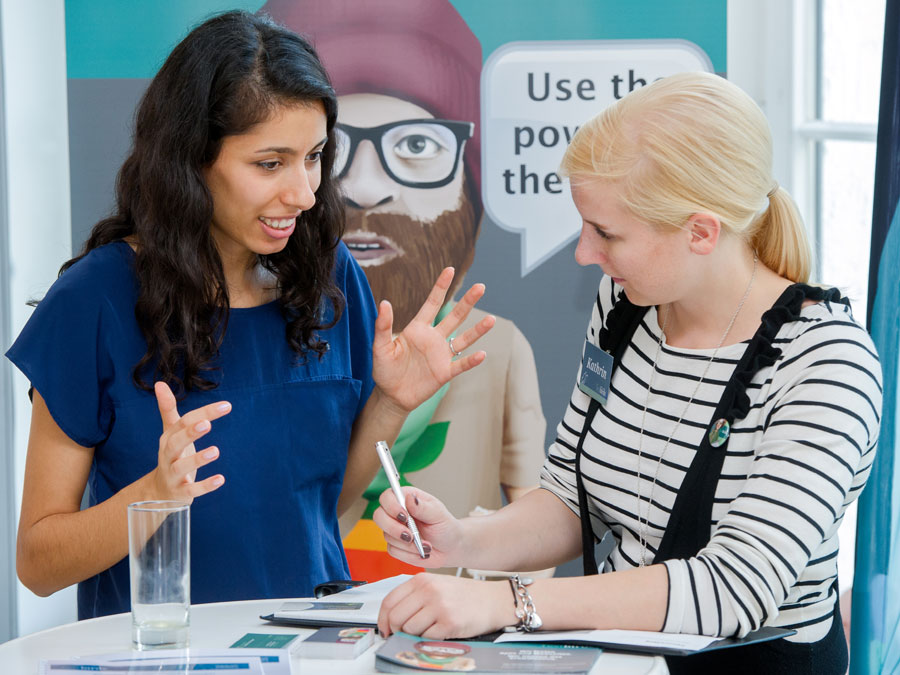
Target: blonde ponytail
[779,238]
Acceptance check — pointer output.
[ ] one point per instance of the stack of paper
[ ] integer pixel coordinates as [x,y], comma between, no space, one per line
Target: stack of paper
[357,606]
[336,642]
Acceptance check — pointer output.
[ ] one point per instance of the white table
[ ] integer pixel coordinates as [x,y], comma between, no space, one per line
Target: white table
[218,625]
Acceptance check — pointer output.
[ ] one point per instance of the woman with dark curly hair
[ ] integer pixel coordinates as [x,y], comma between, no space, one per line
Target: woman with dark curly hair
[219,292]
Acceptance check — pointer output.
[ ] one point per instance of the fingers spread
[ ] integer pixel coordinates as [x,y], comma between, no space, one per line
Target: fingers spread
[384,325]
[435,299]
[165,399]
[469,300]
[181,439]
[187,466]
[479,329]
[189,428]
[466,363]
[472,335]
[461,310]
[206,486]
[208,413]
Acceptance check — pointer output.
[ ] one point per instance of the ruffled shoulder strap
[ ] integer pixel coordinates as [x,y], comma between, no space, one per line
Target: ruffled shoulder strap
[688,528]
[761,352]
[621,323]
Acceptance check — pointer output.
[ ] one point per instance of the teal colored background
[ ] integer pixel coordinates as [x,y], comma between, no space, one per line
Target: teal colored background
[497,22]
[131,38]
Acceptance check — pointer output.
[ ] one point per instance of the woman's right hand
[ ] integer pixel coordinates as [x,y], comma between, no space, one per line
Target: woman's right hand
[441,533]
[178,460]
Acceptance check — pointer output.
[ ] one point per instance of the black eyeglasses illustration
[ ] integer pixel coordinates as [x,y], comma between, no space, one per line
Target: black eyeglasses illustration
[422,153]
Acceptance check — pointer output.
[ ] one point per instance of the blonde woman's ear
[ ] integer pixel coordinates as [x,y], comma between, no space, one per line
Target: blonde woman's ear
[704,229]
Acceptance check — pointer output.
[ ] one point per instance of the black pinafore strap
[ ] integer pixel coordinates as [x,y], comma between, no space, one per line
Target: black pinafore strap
[614,338]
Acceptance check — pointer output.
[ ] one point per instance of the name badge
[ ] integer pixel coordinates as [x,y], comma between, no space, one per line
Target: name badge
[596,371]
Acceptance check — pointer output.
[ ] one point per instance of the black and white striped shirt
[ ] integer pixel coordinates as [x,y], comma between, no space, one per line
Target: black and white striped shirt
[792,467]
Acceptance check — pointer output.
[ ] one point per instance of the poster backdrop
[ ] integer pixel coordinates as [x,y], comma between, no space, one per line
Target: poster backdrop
[521,76]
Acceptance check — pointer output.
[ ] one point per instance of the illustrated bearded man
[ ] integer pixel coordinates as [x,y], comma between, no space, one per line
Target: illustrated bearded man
[393,61]
[407,74]
[400,252]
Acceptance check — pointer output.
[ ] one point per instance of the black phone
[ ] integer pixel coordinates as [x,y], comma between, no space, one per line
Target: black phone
[332,587]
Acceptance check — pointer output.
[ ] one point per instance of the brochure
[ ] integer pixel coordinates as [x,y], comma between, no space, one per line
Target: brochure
[672,644]
[245,662]
[357,606]
[402,653]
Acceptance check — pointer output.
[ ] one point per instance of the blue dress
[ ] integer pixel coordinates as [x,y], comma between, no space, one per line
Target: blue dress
[271,530]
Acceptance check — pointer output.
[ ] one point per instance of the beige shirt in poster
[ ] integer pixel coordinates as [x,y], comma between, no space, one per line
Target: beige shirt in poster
[496,432]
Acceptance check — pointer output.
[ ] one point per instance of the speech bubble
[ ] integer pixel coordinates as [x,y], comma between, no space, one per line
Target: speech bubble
[534,95]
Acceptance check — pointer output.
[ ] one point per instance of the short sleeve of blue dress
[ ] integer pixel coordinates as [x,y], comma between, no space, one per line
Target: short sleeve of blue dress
[63,351]
[271,530]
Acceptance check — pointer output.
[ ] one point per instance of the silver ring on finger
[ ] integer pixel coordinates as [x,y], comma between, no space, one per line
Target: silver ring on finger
[452,350]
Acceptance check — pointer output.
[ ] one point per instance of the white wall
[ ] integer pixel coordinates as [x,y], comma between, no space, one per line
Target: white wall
[37,163]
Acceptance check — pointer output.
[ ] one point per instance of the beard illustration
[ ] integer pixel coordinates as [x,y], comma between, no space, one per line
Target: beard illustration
[402,257]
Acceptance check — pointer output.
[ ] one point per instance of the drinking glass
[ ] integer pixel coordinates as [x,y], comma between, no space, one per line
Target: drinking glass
[159,559]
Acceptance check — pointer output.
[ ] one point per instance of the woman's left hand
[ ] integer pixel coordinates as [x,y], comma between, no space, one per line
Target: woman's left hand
[412,366]
[440,607]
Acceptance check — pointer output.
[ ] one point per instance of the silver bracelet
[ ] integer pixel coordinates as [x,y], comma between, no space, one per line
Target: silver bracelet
[526,614]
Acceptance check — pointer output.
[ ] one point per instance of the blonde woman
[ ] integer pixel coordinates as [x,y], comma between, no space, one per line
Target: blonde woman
[741,419]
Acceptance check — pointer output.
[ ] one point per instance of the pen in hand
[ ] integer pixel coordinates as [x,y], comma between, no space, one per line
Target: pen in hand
[384,454]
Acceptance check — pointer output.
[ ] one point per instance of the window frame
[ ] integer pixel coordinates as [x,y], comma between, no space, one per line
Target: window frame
[774,53]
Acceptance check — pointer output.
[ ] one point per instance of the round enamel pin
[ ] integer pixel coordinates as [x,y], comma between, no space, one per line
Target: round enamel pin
[718,433]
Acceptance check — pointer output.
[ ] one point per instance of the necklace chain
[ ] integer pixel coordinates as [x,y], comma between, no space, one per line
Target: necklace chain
[644,523]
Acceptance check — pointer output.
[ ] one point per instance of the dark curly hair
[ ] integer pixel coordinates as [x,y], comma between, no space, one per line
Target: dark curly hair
[230,73]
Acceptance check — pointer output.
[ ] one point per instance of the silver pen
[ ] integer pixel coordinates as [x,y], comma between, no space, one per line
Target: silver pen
[393,476]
